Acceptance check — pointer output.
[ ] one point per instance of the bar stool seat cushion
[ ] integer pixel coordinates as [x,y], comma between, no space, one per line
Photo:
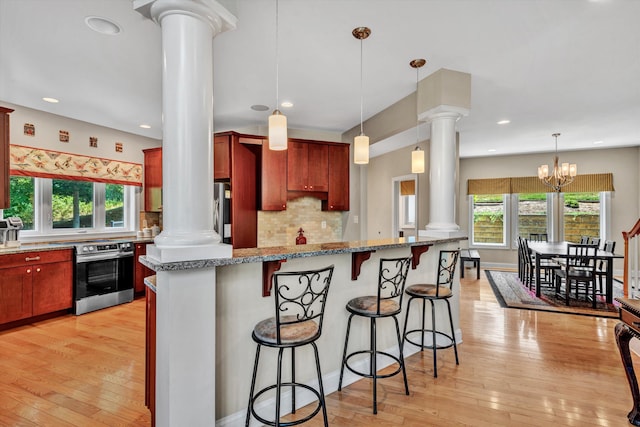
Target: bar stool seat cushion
[426,290]
[368,306]
[289,334]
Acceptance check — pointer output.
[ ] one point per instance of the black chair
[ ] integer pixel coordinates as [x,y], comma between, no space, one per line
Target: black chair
[584,240]
[594,241]
[547,266]
[387,303]
[538,237]
[579,270]
[442,290]
[300,298]
[601,269]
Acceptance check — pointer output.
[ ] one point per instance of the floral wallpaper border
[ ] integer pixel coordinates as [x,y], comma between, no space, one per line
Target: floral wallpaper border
[36,162]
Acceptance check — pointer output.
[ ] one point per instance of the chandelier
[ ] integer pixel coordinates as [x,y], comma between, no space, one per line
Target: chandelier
[561,175]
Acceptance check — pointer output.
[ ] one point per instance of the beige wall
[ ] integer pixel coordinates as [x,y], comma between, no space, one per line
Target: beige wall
[622,162]
[381,171]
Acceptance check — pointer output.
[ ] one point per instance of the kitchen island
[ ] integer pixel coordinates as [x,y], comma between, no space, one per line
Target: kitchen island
[241,302]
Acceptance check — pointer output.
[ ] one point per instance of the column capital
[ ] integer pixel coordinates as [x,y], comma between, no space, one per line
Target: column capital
[442,112]
[211,11]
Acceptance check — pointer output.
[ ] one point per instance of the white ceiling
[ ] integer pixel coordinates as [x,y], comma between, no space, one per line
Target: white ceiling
[570,66]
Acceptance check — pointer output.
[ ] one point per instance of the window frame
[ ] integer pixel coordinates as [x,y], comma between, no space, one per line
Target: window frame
[43,221]
[506,225]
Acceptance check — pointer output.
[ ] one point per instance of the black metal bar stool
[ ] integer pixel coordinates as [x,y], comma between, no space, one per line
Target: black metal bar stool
[388,303]
[441,291]
[300,299]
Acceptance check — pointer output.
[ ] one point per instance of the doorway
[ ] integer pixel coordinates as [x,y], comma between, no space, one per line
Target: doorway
[405,205]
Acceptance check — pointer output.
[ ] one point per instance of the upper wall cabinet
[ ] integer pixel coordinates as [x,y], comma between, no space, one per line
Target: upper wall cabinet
[222,158]
[274,179]
[307,166]
[338,195]
[4,157]
[153,179]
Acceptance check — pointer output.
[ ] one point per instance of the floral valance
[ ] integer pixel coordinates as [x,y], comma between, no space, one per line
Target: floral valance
[36,162]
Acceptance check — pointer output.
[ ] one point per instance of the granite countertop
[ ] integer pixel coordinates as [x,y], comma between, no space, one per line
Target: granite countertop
[60,245]
[298,251]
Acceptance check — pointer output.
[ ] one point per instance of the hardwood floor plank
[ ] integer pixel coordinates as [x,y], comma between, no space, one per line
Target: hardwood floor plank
[517,368]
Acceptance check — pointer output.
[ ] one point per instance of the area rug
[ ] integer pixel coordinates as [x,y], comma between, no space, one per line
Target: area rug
[511,293]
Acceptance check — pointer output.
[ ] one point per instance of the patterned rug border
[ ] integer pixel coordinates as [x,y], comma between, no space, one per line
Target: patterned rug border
[531,302]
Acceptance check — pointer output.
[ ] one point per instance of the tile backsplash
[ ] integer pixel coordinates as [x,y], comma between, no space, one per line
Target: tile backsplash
[281,228]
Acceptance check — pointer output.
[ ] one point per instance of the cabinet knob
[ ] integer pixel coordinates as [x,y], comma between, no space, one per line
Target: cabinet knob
[305,187]
[28,271]
[38,270]
[311,187]
[331,206]
[284,206]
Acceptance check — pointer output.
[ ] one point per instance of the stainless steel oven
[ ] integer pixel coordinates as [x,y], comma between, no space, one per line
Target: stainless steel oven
[103,275]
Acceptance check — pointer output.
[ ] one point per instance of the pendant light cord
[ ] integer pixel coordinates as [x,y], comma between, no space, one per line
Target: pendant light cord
[361,91]
[417,121]
[277,61]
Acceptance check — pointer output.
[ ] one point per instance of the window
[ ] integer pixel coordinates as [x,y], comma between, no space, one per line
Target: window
[489,220]
[407,211]
[56,206]
[22,190]
[581,215]
[532,214]
[72,204]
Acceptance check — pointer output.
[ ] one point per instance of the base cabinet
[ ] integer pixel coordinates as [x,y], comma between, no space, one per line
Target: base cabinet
[139,270]
[35,283]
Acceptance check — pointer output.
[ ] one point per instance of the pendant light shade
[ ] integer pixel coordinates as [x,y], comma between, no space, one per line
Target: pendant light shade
[361,142]
[277,120]
[277,131]
[361,150]
[417,160]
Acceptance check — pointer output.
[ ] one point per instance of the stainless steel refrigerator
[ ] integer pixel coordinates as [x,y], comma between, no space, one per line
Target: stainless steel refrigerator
[222,210]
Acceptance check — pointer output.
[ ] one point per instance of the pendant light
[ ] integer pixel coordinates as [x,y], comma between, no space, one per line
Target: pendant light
[361,142]
[417,155]
[277,120]
[561,175]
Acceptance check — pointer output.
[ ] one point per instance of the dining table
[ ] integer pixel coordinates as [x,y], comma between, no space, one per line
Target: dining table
[550,250]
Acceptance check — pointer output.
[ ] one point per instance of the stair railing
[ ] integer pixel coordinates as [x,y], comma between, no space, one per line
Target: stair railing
[631,261]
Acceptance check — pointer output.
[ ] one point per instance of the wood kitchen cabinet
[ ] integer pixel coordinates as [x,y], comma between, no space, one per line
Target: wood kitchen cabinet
[4,157]
[338,195]
[274,179]
[153,179]
[35,283]
[307,166]
[140,271]
[222,157]
[150,354]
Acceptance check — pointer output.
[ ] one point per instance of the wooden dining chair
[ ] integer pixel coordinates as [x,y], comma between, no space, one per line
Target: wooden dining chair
[601,269]
[579,271]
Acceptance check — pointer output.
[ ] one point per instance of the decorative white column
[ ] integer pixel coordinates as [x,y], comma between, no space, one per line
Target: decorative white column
[442,170]
[185,294]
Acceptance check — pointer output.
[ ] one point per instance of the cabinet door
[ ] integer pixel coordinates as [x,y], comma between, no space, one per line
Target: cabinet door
[140,271]
[318,167]
[222,157]
[153,179]
[52,287]
[274,179]
[297,166]
[4,157]
[338,196]
[15,293]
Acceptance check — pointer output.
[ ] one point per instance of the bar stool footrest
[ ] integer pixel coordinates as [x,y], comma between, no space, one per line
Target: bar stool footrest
[288,423]
[430,333]
[362,374]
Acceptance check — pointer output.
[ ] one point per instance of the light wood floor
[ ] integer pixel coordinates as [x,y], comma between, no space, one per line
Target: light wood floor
[517,368]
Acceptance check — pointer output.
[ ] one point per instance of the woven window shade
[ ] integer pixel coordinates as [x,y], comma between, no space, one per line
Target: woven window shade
[489,186]
[407,188]
[589,183]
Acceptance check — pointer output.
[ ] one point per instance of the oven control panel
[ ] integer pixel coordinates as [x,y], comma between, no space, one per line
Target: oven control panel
[106,247]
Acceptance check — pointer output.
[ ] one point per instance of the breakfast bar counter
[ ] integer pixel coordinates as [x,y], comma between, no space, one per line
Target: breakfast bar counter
[242,300]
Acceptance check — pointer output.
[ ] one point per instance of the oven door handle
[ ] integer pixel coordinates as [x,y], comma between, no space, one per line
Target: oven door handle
[101,257]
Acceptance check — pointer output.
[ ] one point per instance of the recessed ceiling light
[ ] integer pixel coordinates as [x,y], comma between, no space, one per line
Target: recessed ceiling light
[51,100]
[143,126]
[491,150]
[102,25]
[598,142]
[259,107]
[287,104]
[504,122]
